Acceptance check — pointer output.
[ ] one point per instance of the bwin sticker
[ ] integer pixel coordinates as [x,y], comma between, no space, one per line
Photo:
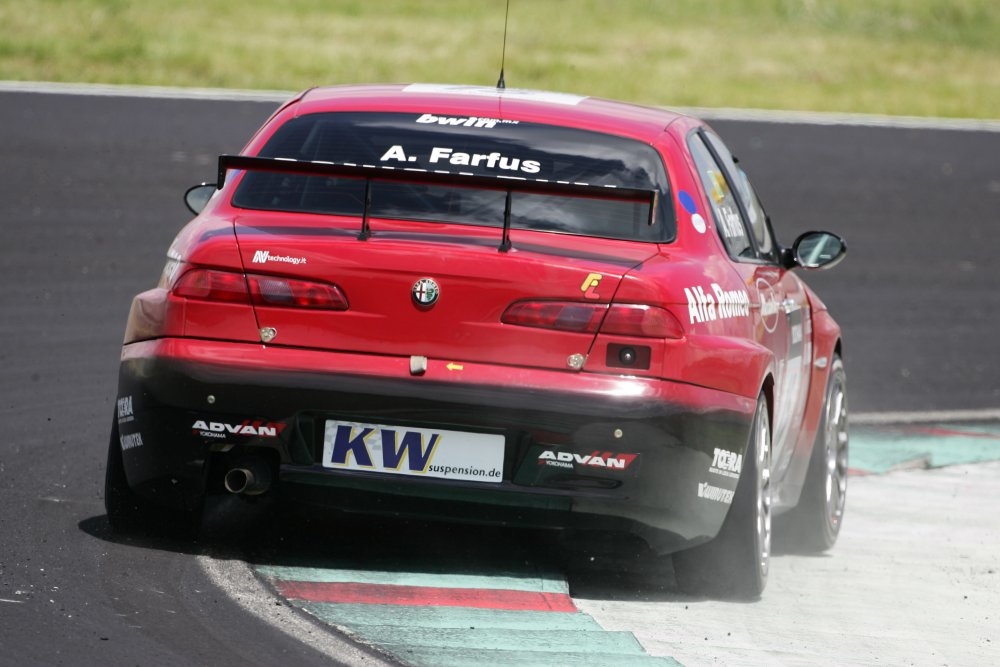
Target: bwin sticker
[464,121]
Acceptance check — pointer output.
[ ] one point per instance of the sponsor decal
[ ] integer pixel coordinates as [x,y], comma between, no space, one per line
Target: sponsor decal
[413,451]
[464,121]
[795,322]
[250,427]
[732,228]
[719,495]
[688,204]
[720,304]
[130,441]
[726,463]
[687,201]
[606,460]
[125,414]
[698,223]
[441,155]
[720,189]
[590,284]
[265,256]
[768,305]
[807,348]
[729,219]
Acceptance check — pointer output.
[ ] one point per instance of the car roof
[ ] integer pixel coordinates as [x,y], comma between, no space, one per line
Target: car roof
[589,113]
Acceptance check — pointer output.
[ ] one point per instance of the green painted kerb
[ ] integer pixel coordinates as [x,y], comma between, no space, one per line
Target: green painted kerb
[885,448]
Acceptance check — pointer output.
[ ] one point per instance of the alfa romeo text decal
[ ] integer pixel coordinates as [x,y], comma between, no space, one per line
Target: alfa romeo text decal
[720,304]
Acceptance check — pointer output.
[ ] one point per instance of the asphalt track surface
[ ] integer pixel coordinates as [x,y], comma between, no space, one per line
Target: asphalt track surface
[90,199]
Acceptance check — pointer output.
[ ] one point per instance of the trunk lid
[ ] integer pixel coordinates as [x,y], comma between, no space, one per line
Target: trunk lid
[476,285]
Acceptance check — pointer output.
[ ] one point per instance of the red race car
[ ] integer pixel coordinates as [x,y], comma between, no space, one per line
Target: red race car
[491,305]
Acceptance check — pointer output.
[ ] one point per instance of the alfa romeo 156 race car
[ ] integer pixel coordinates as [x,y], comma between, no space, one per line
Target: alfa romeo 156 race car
[491,305]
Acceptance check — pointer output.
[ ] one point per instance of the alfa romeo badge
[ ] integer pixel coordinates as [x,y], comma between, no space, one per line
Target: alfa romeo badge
[425,292]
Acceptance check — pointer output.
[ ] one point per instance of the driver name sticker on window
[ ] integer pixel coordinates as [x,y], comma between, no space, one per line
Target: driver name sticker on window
[445,155]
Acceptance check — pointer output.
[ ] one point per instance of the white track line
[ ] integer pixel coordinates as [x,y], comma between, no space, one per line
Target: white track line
[925,417]
[852,119]
[160,92]
[745,115]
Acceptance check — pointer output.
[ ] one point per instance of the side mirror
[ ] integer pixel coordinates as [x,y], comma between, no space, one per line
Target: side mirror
[197,196]
[815,250]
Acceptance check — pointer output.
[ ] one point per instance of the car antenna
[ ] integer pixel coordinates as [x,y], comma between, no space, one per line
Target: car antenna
[501,84]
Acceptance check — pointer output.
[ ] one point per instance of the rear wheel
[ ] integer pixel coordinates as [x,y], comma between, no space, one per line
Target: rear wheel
[129,512]
[735,564]
[813,525]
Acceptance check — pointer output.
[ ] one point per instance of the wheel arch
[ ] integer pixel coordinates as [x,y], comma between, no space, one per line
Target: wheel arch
[827,343]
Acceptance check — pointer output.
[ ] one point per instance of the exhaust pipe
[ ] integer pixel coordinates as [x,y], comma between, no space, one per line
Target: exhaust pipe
[252,478]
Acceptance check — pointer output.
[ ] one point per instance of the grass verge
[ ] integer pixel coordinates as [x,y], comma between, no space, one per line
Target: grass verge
[911,57]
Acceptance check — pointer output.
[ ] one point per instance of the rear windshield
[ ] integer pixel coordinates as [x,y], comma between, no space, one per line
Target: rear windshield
[464,145]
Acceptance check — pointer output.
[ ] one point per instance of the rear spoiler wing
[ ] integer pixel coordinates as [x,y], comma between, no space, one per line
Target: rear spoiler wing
[509,184]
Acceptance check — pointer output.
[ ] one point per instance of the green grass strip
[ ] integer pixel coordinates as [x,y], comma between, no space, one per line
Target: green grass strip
[903,57]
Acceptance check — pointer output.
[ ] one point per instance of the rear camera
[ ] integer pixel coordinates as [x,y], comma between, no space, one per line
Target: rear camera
[633,357]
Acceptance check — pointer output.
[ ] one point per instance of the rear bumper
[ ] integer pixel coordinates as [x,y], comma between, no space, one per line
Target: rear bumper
[189,409]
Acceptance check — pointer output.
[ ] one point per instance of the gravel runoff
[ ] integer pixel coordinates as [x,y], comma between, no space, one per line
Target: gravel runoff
[913,580]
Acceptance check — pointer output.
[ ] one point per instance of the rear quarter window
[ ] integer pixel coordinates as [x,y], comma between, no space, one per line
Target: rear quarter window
[725,210]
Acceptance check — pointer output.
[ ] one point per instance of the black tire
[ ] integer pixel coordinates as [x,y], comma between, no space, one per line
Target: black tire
[735,564]
[130,513]
[813,525]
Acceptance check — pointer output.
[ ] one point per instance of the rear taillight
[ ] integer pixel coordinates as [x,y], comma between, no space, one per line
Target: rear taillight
[635,320]
[271,291]
[210,285]
[561,315]
[626,319]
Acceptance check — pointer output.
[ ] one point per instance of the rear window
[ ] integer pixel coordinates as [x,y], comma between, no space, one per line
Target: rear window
[470,146]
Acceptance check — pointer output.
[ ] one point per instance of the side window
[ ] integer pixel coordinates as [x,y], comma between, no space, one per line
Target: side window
[725,210]
[757,218]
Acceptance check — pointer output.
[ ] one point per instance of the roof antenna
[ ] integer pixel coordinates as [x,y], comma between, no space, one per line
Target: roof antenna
[501,84]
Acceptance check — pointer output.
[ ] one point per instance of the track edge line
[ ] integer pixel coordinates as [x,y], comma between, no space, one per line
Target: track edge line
[708,113]
[237,581]
[924,416]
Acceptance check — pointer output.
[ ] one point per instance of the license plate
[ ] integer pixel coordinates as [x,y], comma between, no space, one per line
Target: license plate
[421,452]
